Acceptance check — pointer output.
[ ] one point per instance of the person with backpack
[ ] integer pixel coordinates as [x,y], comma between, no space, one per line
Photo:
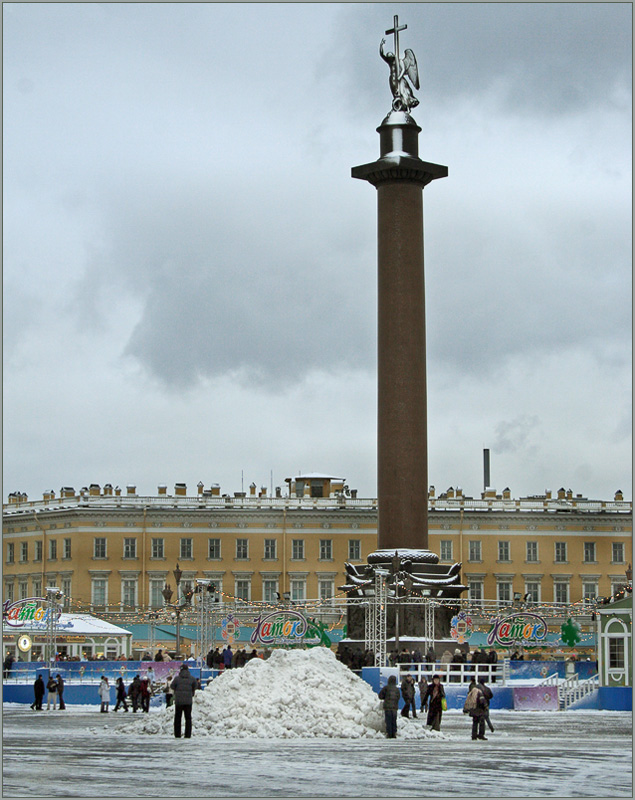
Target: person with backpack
[477,706]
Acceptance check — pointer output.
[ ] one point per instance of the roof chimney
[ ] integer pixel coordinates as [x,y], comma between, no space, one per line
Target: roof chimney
[486,478]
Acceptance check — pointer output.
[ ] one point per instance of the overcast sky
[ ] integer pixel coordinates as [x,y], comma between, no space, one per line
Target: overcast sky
[190,270]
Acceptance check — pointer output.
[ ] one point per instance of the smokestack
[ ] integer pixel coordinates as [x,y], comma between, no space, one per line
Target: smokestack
[486,468]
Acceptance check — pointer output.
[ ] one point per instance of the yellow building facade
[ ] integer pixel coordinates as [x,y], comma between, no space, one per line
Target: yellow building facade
[115,551]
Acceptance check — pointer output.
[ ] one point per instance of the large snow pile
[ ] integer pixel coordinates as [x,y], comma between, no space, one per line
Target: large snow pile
[293,694]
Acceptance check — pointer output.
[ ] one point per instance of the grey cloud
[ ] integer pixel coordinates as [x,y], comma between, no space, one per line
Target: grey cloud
[514,435]
[538,59]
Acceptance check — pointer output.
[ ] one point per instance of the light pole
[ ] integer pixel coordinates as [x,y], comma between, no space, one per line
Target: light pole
[53,594]
[176,614]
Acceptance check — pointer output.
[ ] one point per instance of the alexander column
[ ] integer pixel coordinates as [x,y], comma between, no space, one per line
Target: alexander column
[411,571]
[399,176]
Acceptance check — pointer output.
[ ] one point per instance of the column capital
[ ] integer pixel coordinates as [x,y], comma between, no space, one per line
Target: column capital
[399,169]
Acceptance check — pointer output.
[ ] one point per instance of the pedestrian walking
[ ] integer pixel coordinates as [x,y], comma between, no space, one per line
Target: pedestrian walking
[104,693]
[168,690]
[7,664]
[38,692]
[134,690]
[423,688]
[390,695]
[144,695]
[477,706]
[408,694]
[60,691]
[120,691]
[435,697]
[184,686]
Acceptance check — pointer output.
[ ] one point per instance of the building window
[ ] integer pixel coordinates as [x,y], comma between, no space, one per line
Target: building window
[52,549]
[242,549]
[270,549]
[129,592]
[9,591]
[99,547]
[213,549]
[354,549]
[532,590]
[561,553]
[297,549]
[532,552]
[243,589]
[561,592]
[66,591]
[618,553]
[24,551]
[589,591]
[446,550]
[475,591]
[589,553]
[158,548]
[270,590]
[98,593]
[10,553]
[67,548]
[326,549]
[37,556]
[503,551]
[37,587]
[298,589]
[156,587]
[185,550]
[475,550]
[129,548]
[504,591]
[23,590]
[326,589]
[616,653]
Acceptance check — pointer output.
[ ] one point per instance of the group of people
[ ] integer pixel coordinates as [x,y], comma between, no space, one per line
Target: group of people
[230,659]
[55,688]
[433,700]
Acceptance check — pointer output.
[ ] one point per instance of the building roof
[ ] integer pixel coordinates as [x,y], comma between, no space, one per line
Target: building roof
[80,624]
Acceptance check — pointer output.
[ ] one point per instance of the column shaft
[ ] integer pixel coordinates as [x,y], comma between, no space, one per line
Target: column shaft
[402,447]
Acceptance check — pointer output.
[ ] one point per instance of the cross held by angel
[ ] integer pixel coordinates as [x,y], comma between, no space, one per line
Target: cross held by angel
[402,70]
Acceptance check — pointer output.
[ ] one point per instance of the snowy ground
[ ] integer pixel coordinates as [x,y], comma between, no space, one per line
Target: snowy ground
[78,753]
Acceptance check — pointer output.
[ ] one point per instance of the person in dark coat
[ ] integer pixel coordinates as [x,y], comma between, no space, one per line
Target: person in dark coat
[390,695]
[51,686]
[60,691]
[120,691]
[7,664]
[38,691]
[184,686]
[134,690]
[144,694]
[431,656]
[480,712]
[408,694]
[434,697]
[227,657]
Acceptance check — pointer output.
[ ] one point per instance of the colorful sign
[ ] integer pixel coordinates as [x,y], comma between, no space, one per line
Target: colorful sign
[230,628]
[522,627]
[288,628]
[461,629]
[28,612]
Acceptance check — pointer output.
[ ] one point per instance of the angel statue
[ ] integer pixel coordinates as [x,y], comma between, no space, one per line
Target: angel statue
[401,69]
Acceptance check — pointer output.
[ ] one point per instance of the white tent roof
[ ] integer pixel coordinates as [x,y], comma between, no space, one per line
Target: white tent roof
[80,624]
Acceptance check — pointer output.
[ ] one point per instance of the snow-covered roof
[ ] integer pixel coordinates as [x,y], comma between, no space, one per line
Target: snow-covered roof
[315,476]
[81,624]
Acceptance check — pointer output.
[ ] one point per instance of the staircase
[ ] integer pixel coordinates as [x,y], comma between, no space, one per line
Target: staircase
[571,689]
